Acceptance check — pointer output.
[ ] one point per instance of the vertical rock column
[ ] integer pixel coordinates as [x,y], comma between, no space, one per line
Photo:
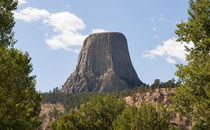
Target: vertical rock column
[104,65]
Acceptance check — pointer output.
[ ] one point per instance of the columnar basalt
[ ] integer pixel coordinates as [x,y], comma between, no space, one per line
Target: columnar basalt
[104,65]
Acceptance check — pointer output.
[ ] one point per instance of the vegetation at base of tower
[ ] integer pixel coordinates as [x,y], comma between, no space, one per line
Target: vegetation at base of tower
[108,113]
[192,98]
[71,121]
[19,102]
[145,117]
[102,111]
[72,101]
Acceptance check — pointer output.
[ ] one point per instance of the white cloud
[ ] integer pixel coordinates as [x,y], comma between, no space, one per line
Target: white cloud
[65,39]
[170,60]
[65,21]
[171,49]
[20,2]
[67,26]
[30,14]
[99,30]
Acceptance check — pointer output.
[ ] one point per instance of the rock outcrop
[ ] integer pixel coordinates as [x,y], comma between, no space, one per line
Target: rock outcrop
[103,65]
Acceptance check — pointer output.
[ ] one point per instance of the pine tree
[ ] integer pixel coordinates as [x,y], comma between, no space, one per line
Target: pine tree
[146,117]
[19,101]
[71,121]
[102,111]
[98,114]
[7,22]
[192,98]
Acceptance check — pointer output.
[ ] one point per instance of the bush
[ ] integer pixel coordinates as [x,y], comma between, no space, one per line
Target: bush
[146,117]
[108,113]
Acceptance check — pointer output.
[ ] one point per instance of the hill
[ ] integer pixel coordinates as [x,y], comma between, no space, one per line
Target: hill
[56,103]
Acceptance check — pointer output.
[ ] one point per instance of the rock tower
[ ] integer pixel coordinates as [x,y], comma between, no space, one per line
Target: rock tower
[104,65]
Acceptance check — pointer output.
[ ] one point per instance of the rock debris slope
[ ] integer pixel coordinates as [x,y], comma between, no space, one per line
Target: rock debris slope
[104,65]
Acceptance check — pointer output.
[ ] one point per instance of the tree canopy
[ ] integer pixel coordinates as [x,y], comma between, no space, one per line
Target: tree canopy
[7,22]
[108,113]
[192,98]
[99,113]
[19,101]
[146,117]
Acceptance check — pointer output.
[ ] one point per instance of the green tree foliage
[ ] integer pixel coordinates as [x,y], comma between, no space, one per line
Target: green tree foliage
[98,114]
[146,117]
[125,121]
[102,111]
[192,98]
[71,121]
[71,101]
[169,84]
[7,22]
[108,113]
[19,102]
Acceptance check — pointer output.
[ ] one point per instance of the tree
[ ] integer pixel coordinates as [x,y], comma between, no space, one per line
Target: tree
[102,111]
[98,114]
[146,117]
[156,84]
[71,121]
[192,98]
[19,101]
[7,22]
[125,121]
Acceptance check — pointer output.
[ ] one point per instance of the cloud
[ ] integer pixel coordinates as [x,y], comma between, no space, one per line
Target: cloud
[172,49]
[20,2]
[65,39]
[30,14]
[170,60]
[99,30]
[65,25]
[65,21]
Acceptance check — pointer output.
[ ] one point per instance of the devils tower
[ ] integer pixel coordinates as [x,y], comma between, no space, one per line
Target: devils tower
[104,65]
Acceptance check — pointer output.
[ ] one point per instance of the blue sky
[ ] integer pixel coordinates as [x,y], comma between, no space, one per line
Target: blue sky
[52,31]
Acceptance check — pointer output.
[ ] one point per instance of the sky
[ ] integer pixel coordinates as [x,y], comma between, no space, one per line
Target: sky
[53,31]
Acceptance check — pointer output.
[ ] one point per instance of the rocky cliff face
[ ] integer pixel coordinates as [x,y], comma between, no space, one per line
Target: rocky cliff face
[103,65]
